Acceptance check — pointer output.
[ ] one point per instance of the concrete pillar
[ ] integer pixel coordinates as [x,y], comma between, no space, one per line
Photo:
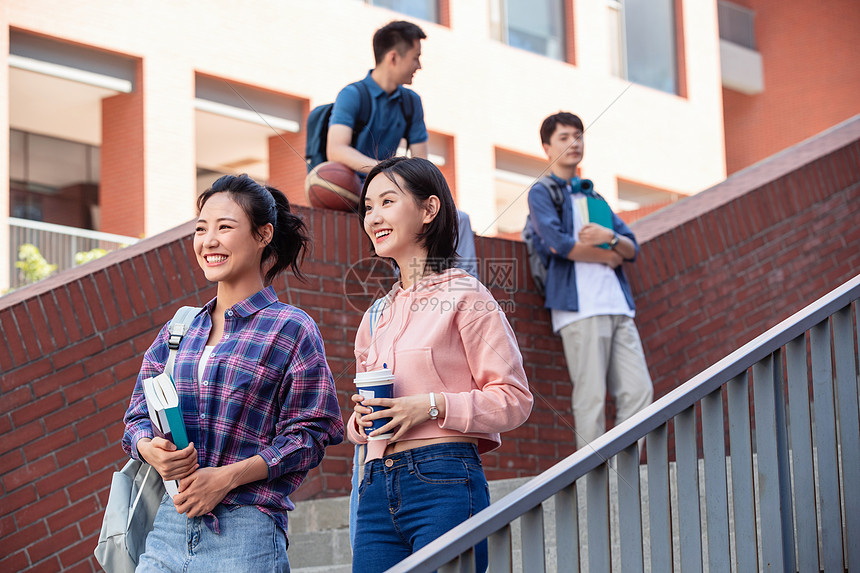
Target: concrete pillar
[169,155]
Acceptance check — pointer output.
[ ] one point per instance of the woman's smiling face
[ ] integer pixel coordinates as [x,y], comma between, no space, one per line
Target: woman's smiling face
[393,220]
[227,250]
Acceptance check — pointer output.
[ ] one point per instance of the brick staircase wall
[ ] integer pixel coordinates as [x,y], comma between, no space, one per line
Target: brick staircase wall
[715,270]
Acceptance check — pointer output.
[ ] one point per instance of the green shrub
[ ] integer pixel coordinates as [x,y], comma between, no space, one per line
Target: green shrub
[87,256]
[32,264]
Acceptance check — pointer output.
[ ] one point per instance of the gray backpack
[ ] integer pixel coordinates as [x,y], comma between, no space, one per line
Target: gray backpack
[537,263]
[136,490]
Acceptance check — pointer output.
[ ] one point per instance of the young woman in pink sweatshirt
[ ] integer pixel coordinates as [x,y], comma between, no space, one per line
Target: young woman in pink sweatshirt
[458,373]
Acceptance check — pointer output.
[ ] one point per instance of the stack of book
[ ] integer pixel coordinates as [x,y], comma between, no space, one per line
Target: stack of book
[595,210]
[162,401]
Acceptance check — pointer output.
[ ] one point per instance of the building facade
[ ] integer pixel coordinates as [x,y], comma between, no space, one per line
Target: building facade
[790,70]
[119,113]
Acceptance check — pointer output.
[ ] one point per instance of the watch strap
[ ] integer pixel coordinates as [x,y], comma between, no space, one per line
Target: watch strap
[433,411]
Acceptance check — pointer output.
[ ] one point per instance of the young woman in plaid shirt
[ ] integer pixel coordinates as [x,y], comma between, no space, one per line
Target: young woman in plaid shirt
[255,391]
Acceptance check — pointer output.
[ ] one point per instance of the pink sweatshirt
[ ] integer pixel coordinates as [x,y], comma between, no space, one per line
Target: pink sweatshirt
[447,334]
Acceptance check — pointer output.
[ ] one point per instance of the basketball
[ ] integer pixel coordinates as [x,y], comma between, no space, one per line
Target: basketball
[332,185]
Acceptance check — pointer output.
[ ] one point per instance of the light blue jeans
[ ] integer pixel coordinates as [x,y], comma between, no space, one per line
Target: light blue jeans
[249,541]
[408,499]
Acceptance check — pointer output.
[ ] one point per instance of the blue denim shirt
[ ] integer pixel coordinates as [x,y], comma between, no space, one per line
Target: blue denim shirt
[554,241]
[380,138]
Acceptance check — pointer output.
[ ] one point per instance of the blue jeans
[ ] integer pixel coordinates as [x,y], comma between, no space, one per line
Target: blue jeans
[408,499]
[250,541]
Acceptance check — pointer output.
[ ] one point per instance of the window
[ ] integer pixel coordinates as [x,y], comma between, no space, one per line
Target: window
[636,200]
[515,174]
[53,180]
[423,9]
[533,25]
[736,24]
[642,42]
[233,126]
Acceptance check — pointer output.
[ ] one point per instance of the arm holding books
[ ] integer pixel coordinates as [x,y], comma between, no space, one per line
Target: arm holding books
[584,253]
[139,440]
[201,491]
[168,461]
[309,420]
[593,234]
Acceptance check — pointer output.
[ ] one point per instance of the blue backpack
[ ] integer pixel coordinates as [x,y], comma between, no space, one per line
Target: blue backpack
[318,122]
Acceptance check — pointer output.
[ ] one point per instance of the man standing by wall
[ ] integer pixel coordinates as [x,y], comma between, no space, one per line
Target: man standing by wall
[586,289]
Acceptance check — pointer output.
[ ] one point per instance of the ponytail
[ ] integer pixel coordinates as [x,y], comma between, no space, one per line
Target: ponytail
[264,204]
[290,241]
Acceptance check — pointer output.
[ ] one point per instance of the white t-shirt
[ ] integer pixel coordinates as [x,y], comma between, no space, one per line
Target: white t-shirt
[597,288]
[204,357]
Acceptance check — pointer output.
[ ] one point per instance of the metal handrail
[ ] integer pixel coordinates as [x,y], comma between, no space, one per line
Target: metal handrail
[527,497]
[71,231]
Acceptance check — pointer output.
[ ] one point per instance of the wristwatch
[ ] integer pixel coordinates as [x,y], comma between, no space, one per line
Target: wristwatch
[614,240]
[433,410]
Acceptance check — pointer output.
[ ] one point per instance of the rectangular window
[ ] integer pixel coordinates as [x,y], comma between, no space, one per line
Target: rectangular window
[515,174]
[736,24]
[53,180]
[642,42]
[423,9]
[533,25]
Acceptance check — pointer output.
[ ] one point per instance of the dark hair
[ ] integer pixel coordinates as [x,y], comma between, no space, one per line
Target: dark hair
[423,180]
[264,204]
[399,35]
[549,125]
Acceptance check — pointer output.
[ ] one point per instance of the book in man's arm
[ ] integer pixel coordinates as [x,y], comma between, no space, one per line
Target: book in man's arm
[162,401]
[595,210]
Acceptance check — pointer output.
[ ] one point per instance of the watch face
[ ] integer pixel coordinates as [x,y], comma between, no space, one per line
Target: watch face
[434,411]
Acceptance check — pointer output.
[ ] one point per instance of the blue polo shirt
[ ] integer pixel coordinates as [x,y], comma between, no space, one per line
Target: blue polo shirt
[384,130]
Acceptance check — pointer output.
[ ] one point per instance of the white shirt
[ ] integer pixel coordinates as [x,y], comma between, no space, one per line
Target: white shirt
[204,357]
[597,287]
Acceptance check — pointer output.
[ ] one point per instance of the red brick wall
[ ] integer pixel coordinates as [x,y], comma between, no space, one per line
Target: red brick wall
[718,268]
[121,189]
[715,270]
[811,79]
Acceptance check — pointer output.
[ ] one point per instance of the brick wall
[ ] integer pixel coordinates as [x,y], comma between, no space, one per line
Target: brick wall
[715,270]
[721,267]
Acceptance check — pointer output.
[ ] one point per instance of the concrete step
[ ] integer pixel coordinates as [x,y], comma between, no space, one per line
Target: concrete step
[319,531]
[319,536]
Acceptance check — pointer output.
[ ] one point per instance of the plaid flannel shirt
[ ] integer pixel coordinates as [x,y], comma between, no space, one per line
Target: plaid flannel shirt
[266,390]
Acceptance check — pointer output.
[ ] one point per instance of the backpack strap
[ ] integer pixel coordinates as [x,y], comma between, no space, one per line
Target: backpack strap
[364,110]
[407,108]
[376,313]
[556,192]
[176,330]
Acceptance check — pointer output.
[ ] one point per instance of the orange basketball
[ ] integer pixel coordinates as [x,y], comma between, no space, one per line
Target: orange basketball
[332,185]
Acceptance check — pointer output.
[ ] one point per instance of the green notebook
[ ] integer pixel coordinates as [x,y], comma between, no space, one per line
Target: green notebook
[595,210]
[163,404]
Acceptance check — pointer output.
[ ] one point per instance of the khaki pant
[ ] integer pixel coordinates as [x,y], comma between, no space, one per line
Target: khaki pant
[604,353]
